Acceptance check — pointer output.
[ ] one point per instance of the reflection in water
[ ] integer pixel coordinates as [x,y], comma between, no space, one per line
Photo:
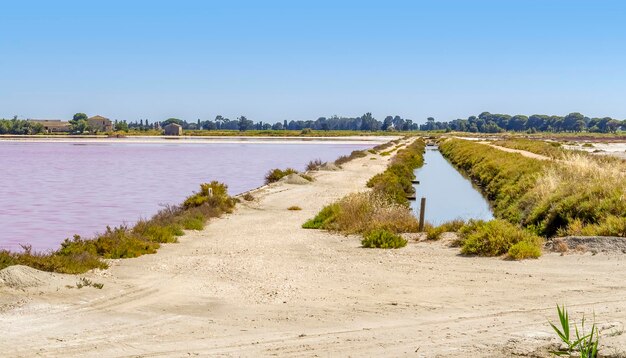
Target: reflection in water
[448,194]
[50,191]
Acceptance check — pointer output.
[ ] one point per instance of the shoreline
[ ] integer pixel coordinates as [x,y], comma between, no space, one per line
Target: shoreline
[254,283]
[199,139]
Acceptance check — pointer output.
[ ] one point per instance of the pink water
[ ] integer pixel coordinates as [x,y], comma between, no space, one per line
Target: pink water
[50,191]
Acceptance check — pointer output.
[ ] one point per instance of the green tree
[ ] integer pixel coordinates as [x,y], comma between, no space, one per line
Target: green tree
[79,116]
[121,126]
[244,123]
[172,120]
[79,124]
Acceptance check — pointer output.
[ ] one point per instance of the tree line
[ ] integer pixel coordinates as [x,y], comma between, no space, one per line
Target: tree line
[483,123]
[365,122]
[494,123]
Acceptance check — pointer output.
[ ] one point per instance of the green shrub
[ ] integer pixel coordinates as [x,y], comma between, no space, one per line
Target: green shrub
[395,182]
[527,249]
[434,232]
[383,239]
[494,238]
[275,175]
[192,222]
[324,218]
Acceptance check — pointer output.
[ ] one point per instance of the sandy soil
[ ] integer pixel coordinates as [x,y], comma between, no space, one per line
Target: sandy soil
[255,284]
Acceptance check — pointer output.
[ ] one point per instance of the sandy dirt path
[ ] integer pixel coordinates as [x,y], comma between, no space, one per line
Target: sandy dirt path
[255,284]
[524,153]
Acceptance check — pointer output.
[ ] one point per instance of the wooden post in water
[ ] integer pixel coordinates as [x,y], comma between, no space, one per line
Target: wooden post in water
[422,208]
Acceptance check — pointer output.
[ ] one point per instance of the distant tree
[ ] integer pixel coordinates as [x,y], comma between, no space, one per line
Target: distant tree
[78,123]
[388,122]
[79,116]
[121,126]
[244,123]
[172,120]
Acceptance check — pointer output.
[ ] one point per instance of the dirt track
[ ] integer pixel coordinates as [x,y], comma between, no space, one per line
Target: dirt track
[255,284]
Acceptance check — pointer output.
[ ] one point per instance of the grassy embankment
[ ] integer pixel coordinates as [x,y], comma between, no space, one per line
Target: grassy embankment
[381,214]
[79,255]
[578,195]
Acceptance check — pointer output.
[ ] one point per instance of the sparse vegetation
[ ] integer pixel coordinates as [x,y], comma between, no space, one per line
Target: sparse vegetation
[248,197]
[383,239]
[584,344]
[275,175]
[294,208]
[314,165]
[307,177]
[84,282]
[346,158]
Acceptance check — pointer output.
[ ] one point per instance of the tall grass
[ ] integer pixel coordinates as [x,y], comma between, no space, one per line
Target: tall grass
[361,213]
[578,194]
[79,255]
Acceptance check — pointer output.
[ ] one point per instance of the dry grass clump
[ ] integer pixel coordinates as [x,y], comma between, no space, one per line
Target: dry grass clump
[346,158]
[294,208]
[79,255]
[364,212]
[248,197]
[560,245]
[314,165]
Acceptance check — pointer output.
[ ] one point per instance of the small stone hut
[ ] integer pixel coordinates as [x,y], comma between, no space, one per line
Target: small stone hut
[173,129]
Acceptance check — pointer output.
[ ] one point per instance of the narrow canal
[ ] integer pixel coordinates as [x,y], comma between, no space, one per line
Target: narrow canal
[449,195]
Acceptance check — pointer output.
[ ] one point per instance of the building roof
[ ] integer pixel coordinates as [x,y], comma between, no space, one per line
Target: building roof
[173,124]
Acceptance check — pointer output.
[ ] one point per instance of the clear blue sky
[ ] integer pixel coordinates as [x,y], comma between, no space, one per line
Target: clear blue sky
[275,60]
